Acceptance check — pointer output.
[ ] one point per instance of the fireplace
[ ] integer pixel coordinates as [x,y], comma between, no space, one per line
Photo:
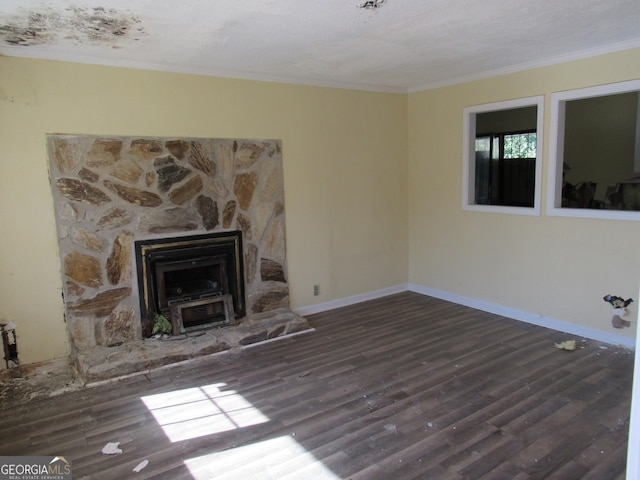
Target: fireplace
[196,282]
[115,197]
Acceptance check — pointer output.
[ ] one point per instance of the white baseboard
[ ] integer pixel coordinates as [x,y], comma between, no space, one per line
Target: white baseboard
[515,314]
[344,302]
[552,323]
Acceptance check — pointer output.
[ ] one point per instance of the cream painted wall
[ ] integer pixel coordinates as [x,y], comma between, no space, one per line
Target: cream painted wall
[557,268]
[361,170]
[345,169]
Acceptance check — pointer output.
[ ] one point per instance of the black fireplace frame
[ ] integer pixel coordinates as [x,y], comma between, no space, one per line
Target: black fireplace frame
[151,251]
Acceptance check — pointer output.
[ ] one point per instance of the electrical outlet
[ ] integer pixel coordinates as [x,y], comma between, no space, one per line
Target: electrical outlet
[316,290]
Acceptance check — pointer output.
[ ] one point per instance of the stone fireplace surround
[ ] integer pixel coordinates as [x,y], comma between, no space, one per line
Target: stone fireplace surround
[110,192]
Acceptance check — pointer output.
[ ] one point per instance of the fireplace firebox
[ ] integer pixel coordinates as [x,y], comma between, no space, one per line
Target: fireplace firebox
[196,281]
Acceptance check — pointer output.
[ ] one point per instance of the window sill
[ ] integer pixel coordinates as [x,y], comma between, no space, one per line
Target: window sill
[593,213]
[531,211]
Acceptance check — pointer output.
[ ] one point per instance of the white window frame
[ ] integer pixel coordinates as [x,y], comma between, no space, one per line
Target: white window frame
[469,160]
[556,150]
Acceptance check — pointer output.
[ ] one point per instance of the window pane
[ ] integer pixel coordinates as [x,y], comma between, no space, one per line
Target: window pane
[599,150]
[483,153]
[510,179]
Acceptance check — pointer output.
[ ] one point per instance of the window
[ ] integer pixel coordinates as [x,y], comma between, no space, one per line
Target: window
[595,152]
[501,171]
[505,169]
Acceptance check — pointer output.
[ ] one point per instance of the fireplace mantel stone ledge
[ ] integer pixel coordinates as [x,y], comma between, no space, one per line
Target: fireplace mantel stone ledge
[138,356]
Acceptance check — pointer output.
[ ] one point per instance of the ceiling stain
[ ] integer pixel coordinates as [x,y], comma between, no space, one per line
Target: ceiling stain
[372,4]
[97,25]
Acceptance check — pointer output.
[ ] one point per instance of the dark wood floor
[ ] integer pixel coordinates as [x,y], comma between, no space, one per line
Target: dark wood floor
[404,387]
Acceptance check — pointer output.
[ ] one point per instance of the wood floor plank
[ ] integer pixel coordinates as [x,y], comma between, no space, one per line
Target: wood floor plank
[406,386]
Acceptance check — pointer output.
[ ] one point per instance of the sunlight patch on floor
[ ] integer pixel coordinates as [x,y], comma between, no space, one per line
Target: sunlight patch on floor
[206,410]
[270,459]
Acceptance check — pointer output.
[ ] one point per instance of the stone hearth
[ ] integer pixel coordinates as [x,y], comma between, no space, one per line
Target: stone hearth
[112,191]
[137,356]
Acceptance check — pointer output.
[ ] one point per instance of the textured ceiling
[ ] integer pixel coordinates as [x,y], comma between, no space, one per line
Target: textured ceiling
[400,46]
